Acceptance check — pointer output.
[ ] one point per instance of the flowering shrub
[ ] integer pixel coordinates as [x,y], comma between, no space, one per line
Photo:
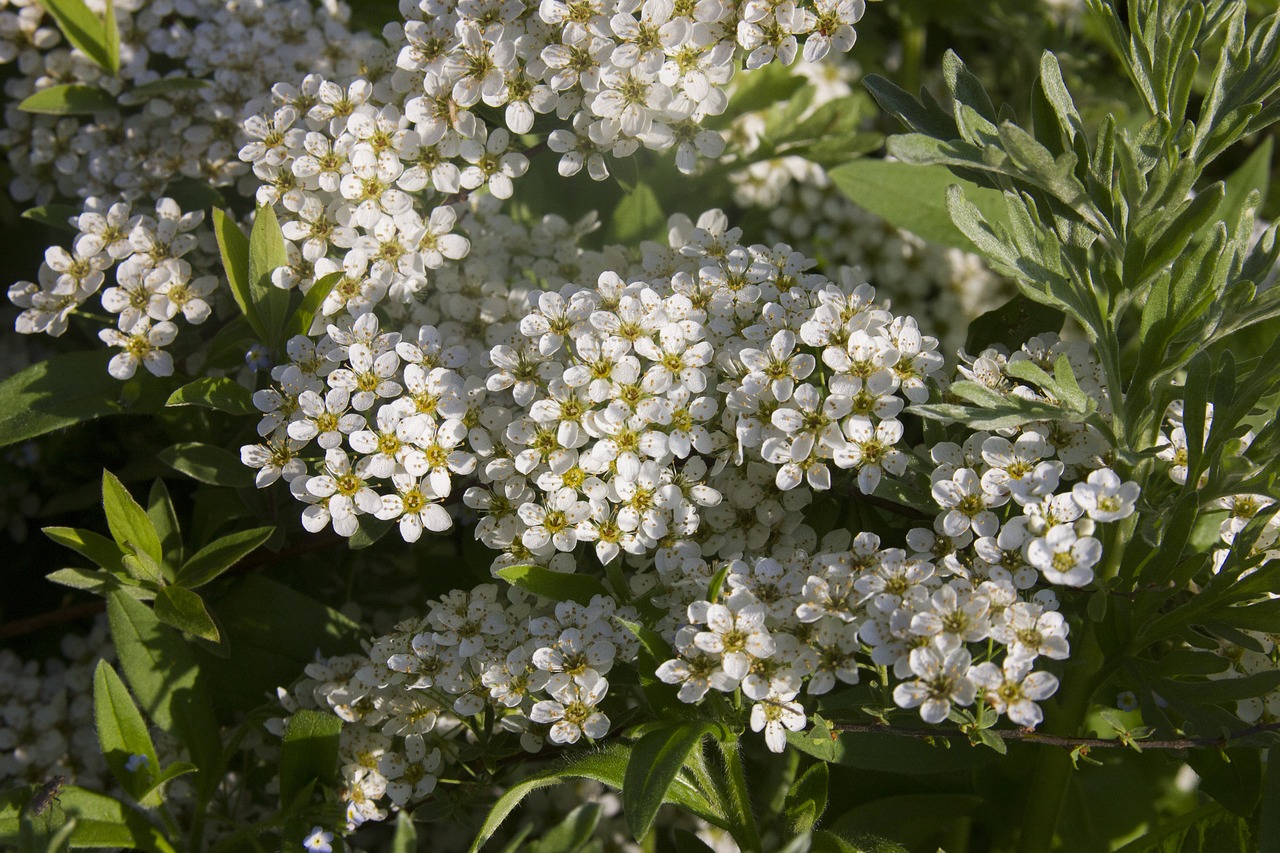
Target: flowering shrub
[501,406]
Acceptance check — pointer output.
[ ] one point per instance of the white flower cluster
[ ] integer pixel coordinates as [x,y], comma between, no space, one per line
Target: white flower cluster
[1261,655]
[623,414]
[188,131]
[153,258]
[418,700]
[46,715]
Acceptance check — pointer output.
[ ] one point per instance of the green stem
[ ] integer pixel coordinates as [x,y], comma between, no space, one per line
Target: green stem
[1053,767]
[914,34]
[738,798]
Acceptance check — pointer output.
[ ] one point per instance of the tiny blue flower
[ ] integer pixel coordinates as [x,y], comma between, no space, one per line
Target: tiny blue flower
[258,357]
[1127,700]
[135,763]
[318,841]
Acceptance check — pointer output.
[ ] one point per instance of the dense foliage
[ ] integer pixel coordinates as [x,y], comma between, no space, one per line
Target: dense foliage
[664,425]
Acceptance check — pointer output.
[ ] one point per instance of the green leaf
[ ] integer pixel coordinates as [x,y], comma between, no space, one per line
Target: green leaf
[309,753]
[143,569]
[1012,324]
[111,38]
[1208,829]
[235,262]
[54,215]
[122,734]
[572,833]
[101,550]
[890,753]
[87,31]
[266,254]
[913,820]
[1269,822]
[207,463]
[655,763]
[165,677]
[276,632]
[101,821]
[687,842]
[807,799]
[559,586]
[183,609]
[223,553]
[312,301]
[406,837]
[914,198]
[758,90]
[165,86]
[64,390]
[90,580]
[165,520]
[130,525]
[69,99]
[1233,777]
[173,771]
[638,217]
[222,394]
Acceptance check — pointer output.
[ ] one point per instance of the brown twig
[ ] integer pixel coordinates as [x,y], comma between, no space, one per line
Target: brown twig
[1031,736]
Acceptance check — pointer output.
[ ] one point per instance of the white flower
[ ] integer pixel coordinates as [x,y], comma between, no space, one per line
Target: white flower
[572,712]
[1104,498]
[777,714]
[318,841]
[1063,557]
[141,345]
[941,680]
[1014,690]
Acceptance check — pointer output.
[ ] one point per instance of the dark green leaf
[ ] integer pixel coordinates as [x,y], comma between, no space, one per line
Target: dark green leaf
[1233,777]
[655,762]
[183,609]
[66,390]
[165,519]
[309,753]
[559,586]
[223,394]
[220,555]
[572,833]
[69,99]
[914,198]
[917,821]
[207,463]
[1269,823]
[300,324]
[101,821]
[122,734]
[54,215]
[638,217]
[130,525]
[807,799]
[1012,324]
[164,675]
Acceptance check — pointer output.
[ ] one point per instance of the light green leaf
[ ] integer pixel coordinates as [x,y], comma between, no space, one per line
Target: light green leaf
[87,31]
[142,569]
[111,38]
[90,580]
[207,463]
[165,519]
[70,99]
[64,390]
[101,821]
[183,609]
[129,523]
[406,837]
[235,262]
[218,556]
[101,550]
[914,198]
[266,254]
[222,394]
[559,586]
[655,763]
[638,217]
[300,324]
[309,753]
[122,734]
[164,674]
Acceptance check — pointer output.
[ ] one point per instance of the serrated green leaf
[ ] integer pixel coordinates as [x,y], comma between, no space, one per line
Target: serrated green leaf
[122,734]
[559,586]
[222,394]
[207,463]
[183,609]
[218,556]
[914,198]
[69,99]
[129,523]
[309,753]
